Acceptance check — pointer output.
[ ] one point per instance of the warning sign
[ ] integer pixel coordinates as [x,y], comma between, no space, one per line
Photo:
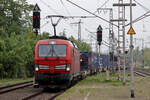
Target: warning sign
[118,47]
[131,31]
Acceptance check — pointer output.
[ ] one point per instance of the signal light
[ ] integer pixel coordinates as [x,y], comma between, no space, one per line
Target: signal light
[99,34]
[126,52]
[36,19]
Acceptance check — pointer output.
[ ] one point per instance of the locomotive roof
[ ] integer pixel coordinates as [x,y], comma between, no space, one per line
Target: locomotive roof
[60,38]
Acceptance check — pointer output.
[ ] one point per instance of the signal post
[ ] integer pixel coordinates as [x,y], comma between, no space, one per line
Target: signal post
[36,29]
[99,40]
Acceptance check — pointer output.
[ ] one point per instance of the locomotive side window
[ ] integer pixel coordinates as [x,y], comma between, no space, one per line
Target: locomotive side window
[52,50]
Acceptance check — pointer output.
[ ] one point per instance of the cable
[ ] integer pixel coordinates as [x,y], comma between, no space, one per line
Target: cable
[45,24]
[49,7]
[142,6]
[105,44]
[92,13]
[69,25]
[65,7]
[102,5]
[140,18]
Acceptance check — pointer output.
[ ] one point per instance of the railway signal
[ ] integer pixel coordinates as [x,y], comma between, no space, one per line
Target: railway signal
[36,18]
[99,34]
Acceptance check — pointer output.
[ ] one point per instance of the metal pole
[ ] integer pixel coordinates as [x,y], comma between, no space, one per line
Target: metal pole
[79,31]
[120,12]
[36,32]
[119,72]
[100,58]
[97,47]
[91,41]
[143,51]
[131,54]
[124,55]
[135,51]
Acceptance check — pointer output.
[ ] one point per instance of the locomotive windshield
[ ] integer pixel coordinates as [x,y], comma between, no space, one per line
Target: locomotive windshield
[54,50]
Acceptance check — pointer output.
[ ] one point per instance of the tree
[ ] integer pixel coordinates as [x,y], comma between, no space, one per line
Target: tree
[14,16]
[16,50]
[83,46]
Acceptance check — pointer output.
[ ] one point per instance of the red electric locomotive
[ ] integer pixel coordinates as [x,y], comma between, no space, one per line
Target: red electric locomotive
[57,62]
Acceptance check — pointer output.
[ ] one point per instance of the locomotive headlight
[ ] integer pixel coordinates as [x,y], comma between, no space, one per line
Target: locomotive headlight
[68,67]
[36,67]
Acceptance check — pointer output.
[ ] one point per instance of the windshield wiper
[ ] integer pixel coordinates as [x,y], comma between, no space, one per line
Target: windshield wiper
[49,52]
[57,57]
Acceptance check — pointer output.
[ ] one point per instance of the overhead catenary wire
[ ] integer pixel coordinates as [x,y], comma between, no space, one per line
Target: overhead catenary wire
[102,5]
[49,7]
[91,13]
[44,24]
[147,14]
[145,8]
[68,23]
[105,44]
[66,17]
[57,13]
[65,7]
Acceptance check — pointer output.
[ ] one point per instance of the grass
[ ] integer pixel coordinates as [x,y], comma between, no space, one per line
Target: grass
[97,79]
[92,84]
[96,87]
[4,82]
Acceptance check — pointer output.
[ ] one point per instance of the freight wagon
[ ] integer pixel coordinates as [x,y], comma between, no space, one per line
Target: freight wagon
[89,63]
[106,62]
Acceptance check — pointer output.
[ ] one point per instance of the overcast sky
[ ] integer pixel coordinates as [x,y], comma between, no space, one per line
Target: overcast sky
[56,7]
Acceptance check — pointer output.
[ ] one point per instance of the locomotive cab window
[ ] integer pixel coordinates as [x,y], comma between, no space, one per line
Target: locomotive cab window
[52,50]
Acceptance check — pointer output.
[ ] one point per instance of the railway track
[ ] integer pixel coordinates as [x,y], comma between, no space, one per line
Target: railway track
[51,96]
[56,95]
[26,94]
[13,87]
[32,95]
[142,73]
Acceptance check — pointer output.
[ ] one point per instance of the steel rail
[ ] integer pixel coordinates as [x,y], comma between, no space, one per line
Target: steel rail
[13,87]
[143,74]
[32,96]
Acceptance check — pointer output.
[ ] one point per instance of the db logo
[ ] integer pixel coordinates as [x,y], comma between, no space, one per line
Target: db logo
[51,68]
